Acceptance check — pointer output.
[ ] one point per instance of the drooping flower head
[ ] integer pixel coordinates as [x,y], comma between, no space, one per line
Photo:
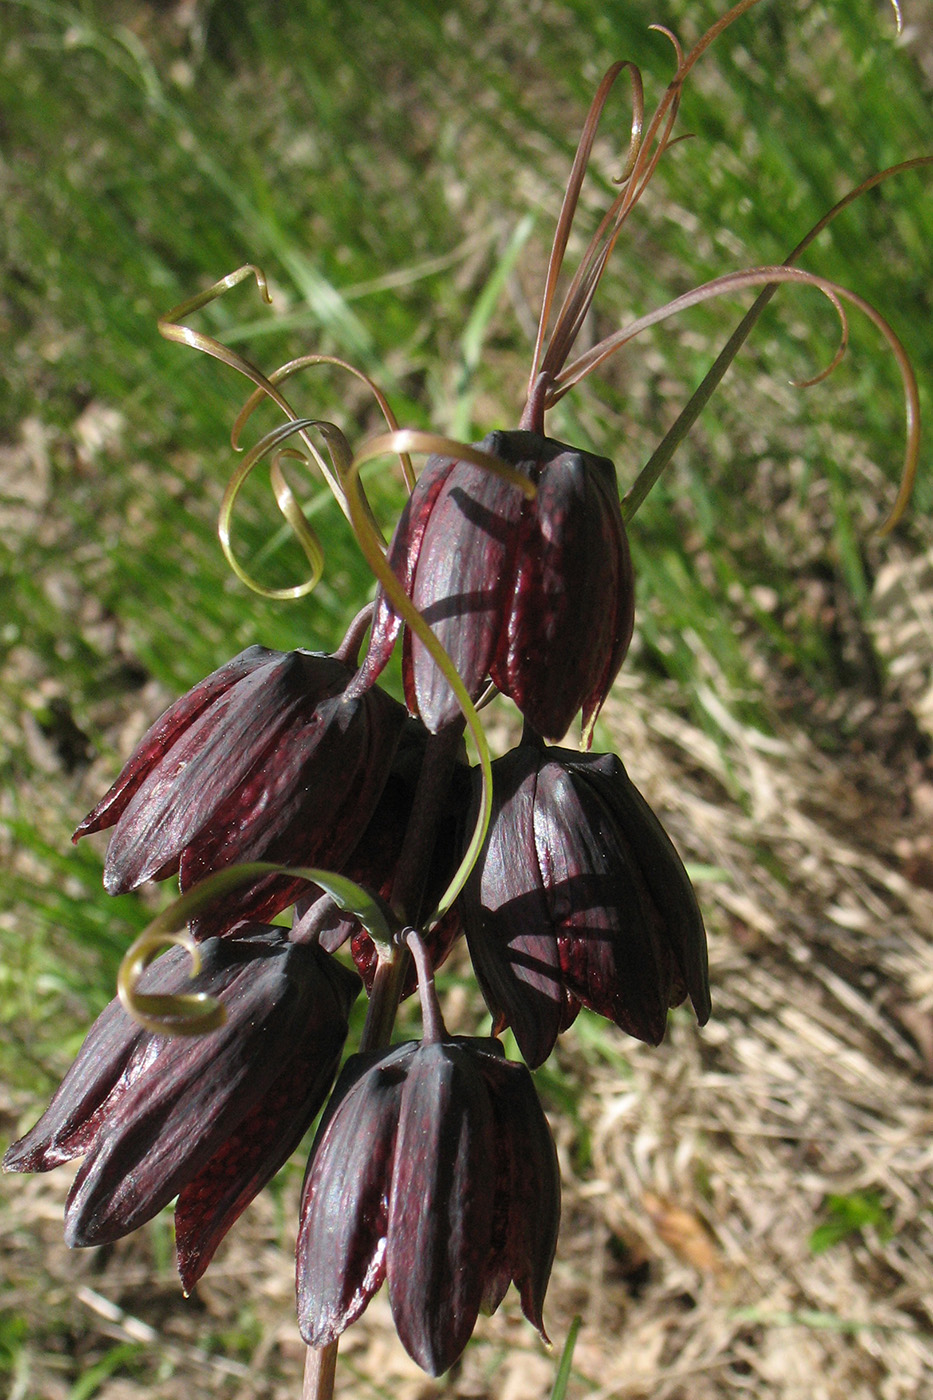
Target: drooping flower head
[266,759]
[534,594]
[579,897]
[433,1169]
[209,1119]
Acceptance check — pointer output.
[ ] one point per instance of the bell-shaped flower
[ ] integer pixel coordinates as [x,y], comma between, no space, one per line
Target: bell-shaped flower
[374,862]
[209,1119]
[266,759]
[434,1169]
[579,897]
[536,595]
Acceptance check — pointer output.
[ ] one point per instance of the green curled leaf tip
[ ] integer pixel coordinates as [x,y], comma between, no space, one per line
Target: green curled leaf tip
[166,1014]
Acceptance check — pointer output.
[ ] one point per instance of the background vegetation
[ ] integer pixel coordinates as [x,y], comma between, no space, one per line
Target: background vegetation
[397,170]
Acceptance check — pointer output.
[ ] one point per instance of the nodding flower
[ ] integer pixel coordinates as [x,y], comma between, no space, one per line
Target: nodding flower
[209,1119]
[266,759]
[375,859]
[434,1169]
[536,595]
[580,898]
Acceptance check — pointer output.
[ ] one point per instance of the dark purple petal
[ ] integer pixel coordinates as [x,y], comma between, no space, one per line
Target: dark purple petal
[609,932]
[403,560]
[603,485]
[163,734]
[186,1095]
[210,1203]
[344,1207]
[461,585]
[507,916]
[529,1176]
[440,1205]
[662,870]
[568,620]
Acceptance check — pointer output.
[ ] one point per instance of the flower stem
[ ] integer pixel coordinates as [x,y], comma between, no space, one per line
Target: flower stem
[384,999]
[432,1020]
[349,649]
[320,1369]
[418,847]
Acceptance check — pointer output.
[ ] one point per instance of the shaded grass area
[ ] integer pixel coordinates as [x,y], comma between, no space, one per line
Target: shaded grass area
[378,161]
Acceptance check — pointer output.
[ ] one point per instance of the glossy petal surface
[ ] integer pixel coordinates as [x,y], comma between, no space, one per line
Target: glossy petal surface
[536,594]
[440,1205]
[250,1156]
[513,944]
[570,616]
[433,1167]
[580,897]
[344,1207]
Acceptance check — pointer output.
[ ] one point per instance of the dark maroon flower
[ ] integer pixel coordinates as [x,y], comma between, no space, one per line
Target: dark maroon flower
[433,1168]
[579,897]
[264,760]
[210,1118]
[536,595]
[374,862]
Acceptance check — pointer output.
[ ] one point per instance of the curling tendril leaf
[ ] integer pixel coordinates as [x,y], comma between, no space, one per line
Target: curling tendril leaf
[306,361]
[287,504]
[688,415]
[409,440]
[170,327]
[175,1014]
[197,1014]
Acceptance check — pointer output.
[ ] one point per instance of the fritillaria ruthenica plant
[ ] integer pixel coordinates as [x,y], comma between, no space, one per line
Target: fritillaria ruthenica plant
[294,781]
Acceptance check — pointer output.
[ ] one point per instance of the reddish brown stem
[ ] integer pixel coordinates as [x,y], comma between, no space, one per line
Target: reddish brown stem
[320,1370]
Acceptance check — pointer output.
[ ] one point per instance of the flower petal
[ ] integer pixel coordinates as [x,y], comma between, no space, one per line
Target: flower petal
[163,734]
[403,560]
[532,1183]
[342,1234]
[663,872]
[569,617]
[210,1203]
[460,585]
[507,916]
[440,1206]
[609,932]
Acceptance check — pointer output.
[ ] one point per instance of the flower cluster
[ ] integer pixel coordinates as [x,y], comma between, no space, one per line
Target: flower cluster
[294,781]
[433,1167]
